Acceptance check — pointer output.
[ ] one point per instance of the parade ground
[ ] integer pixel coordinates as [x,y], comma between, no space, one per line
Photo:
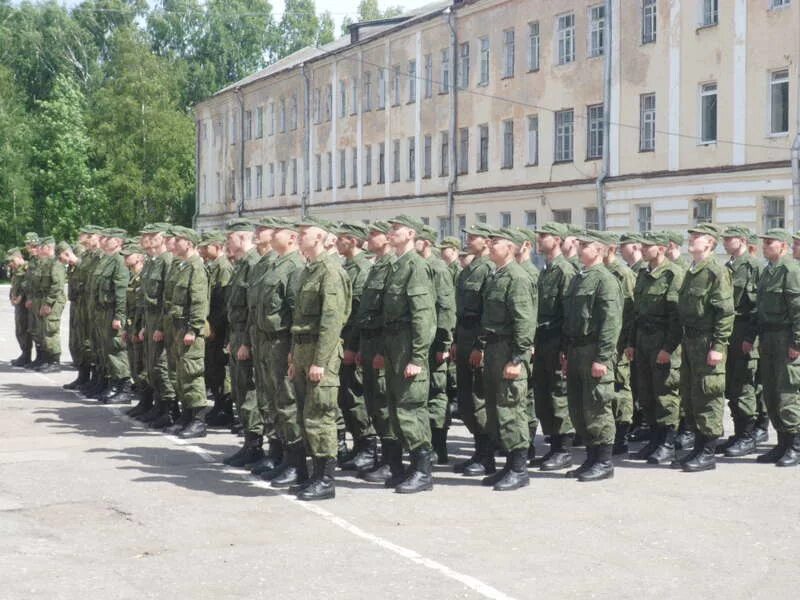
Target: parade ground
[95,506]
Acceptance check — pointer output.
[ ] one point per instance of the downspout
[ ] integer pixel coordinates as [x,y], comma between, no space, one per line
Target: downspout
[306,142]
[452,179]
[240,98]
[196,174]
[604,169]
[796,157]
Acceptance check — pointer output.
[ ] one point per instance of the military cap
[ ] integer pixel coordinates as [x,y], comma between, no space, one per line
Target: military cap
[655,238]
[508,233]
[266,222]
[311,221]
[131,248]
[592,235]
[527,234]
[776,233]
[179,231]
[676,237]
[752,238]
[152,228]
[356,230]
[574,230]
[711,229]
[239,225]
[613,237]
[284,223]
[212,237]
[557,229]
[63,247]
[632,238]
[450,242]
[115,232]
[12,252]
[736,231]
[479,229]
[381,226]
[90,229]
[427,234]
[31,238]
[48,240]
[408,221]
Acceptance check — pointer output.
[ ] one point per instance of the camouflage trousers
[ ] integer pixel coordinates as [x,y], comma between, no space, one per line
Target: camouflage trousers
[507,407]
[702,387]
[590,398]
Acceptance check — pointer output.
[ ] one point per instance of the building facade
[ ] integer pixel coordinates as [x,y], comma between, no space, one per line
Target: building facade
[627,114]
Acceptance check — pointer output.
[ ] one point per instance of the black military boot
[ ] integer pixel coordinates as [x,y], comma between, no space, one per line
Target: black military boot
[390,464]
[236,425]
[517,476]
[83,377]
[620,439]
[51,365]
[37,361]
[222,413]
[296,471]
[591,456]
[167,415]
[321,486]
[102,387]
[778,451]
[439,443]
[88,385]
[342,452]
[761,429]
[656,438]
[113,392]
[602,467]
[419,479]
[364,456]
[664,454]
[791,456]
[23,359]
[559,456]
[743,444]
[460,466]
[704,459]
[181,423]
[490,480]
[246,452]
[485,465]
[197,426]
[272,458]
[685,439]
[531,453]
[145,403]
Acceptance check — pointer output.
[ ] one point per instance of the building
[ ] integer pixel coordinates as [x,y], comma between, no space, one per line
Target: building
[628,114]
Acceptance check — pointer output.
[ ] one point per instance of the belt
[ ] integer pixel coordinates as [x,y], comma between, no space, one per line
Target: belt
[305,338]
[271,336]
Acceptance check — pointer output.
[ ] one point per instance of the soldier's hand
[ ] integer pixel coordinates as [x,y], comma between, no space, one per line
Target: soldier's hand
[453,350]
[189,338]
[290,373]
[793,353]
[28,303]
[141,334]
[563,359]
[412,371]
[630,352]
[713,358]
[512,371]
[315,373]
[349,358]
[747,347]
[599,370]
[663,357]
[243,353]
[475,358]
[116,324]
[46,310]
[158,335]
[442,357]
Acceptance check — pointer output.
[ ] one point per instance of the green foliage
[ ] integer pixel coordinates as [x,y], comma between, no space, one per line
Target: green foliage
[368,10]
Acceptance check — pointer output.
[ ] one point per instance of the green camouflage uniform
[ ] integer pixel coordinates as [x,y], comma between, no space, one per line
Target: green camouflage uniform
[623,399]
[220,272]
[73,291]
[154,276]
[533,279]
[445,323]
[133,324]
[34,330]
[47,288]
[110,296]
[19,285]
[85,308]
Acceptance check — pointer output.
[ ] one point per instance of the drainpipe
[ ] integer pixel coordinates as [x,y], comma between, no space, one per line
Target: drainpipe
[452,171]
[197,127]
[240,97]
[306,141]
[604,169]
[796,158]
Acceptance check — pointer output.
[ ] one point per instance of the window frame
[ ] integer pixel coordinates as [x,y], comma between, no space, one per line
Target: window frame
[706,92]
[649,21]
[595,131]
[560,154]
[773,81]
[509,53]
[646,122]
[565,39]
[596,42]
[508,144]
[534,46]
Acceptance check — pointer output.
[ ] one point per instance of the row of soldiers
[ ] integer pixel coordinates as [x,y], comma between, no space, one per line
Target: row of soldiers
[308,335]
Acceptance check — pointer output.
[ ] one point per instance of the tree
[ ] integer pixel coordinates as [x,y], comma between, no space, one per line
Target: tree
[368,10]
[301,27]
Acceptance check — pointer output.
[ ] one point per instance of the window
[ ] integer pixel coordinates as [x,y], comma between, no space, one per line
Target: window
[259,181]
[591,218]
[533,140]
[294,176]
[330,170]
[649,21]
[508,53]
[282,115]
[710,14]
[318,172]
[530,219]
[562,216]
[284,174]
[480,217]
[382,163]
[317,106]
[484,80]
[342,168]
[462,225]
[597,26]
[368,165]
[412,158]
[271,180]
[396,86]
[428,75]
[508,144]
[425,220]
[342,98]
[248,191]
[293,112]
[444,227]
[702,211]
[355,168]
[779,102]
[444,83]
[444,154]
[328,102]
[564,130]
[381,88]
[647,123]
[644,218]
[248,125]
[534,43]
[483,148]
[354,96]
[396,160]
[595,131]
[463,151]
[708,113]
[463,66]
[774,212]
[565,35]
[232,129]
[426,157]
[366,105]
[505,219]
[412,81]
[779,4]
[271,123]
[259,122]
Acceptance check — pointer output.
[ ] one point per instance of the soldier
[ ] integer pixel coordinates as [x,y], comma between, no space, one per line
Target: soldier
[364,455]
[796,246]
[188,309]
[630,247]
[71,261]
[675,247]
[592,325]
[569,245]
[778,322]
[369,321]
[741,366]
[32,248]
[623,398]
[240,241]
[322,308]
[508,324]
[549,384]
[93,253]
[449,248]
[760,433]
[653,347]
[48,304]
[18,268]
[134,261]
[445,303]
[705,305]
[469,307]
[409,322]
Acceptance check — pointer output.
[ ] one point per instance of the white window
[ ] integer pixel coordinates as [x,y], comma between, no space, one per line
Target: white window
[562,215]
[342,98]
[381,88]
[396,160]
[427,157]
[591,218]
[328,101]
[248,191]
[649,21]
[462,225]
[484,80]
[565,34]
[444,227]
[701,212]
[294,176]
[259,122]
[318,172]
[597,26]
[779,102]
[595,131]
[444,154]
[647,122]
[444,83]
[293,112]
[463,66]
[412,81]
[412,158]
[354,96]
[382,163]
[396,86]
[779,3]
[463,151]
[480,217]
[354,181]
[316,106]
[644,218]
[248,125]
[367,103]
[534,43]
[259,181]
[710,13]
[530,219]
[271,120]
[708,113]
[774,212]
[330,170]
[533,140]
[505,219]
[282,115]
[508,53]
[508,144]
[565,121]
[368,165]
[483,147]
[284,175]
[342,168]
[428,75]
[271,180]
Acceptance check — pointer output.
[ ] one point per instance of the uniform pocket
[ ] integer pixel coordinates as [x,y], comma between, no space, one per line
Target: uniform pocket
[793,373]
[713,385]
